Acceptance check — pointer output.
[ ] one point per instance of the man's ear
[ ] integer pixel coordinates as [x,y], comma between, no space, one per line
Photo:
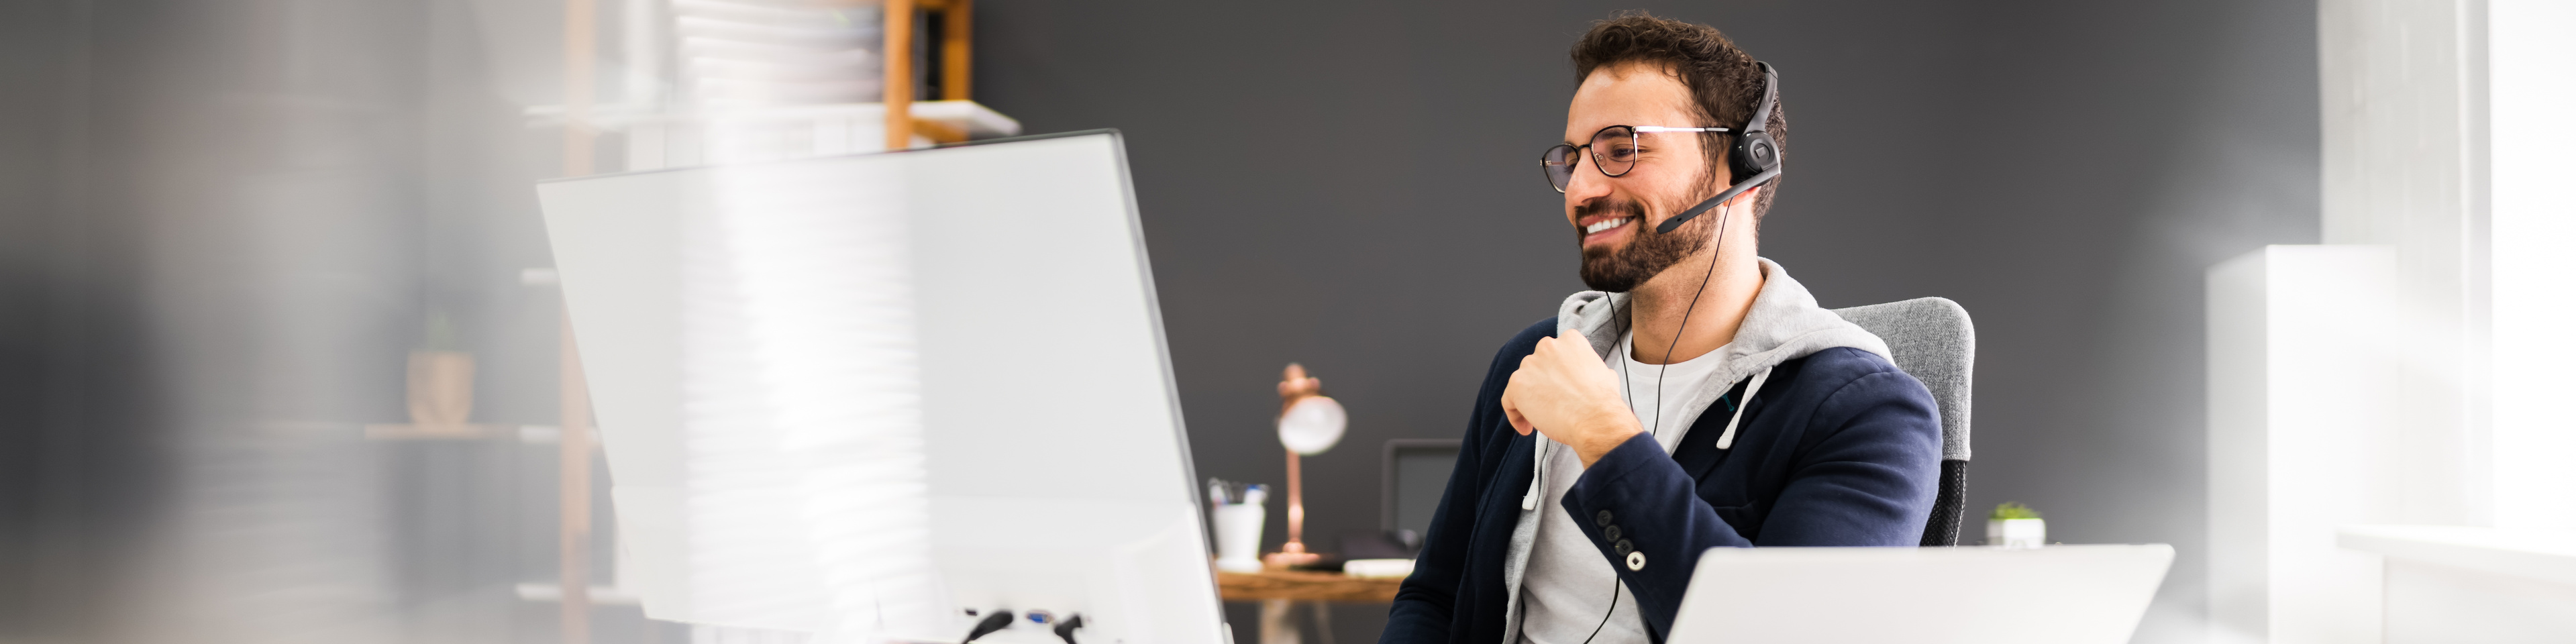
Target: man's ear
[1747,198]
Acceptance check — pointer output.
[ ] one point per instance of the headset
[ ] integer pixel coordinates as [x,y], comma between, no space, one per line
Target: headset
[1755,154]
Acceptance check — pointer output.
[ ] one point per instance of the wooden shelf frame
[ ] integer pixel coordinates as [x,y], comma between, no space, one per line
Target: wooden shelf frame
[956,74]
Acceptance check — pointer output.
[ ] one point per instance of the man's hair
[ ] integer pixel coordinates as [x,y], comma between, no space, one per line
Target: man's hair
[1723,81]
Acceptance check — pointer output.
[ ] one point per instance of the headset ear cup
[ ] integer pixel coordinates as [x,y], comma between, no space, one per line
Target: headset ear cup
[1754,153]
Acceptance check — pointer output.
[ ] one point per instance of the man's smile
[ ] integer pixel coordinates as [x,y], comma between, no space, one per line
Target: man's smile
[1603,229]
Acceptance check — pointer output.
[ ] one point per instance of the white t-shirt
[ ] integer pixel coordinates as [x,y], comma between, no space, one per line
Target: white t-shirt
[1568,584]
[1676,384]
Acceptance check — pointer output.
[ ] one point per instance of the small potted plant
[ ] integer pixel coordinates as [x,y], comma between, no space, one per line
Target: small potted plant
[439,382]
[2014,525]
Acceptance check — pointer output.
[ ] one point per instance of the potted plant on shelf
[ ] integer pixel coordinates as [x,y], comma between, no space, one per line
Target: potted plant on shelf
[2014,525]
[439,382]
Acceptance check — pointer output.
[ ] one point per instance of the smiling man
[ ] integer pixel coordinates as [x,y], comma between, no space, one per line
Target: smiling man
[1697,397]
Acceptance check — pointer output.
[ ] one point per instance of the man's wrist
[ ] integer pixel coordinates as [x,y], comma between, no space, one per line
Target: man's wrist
[1608,432]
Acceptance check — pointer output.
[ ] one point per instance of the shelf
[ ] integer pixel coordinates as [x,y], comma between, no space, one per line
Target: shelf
[531,434]
[969,117]
[656,140]
[599,595]
[2531,554]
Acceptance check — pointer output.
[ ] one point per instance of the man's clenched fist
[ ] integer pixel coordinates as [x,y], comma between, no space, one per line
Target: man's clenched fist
[1563,391]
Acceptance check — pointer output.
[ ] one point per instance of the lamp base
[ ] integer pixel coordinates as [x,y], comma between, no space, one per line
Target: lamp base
[1281,560]
[1290,554]
[1277,560]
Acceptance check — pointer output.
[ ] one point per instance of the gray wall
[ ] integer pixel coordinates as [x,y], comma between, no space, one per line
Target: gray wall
[1349,185]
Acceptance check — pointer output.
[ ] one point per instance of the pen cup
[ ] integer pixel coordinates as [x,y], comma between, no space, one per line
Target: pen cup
[1238,537]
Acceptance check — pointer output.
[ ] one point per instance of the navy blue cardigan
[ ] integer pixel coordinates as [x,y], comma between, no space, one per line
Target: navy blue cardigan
[1838,448]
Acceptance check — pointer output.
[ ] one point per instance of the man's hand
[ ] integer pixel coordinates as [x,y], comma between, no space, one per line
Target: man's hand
[1563,390]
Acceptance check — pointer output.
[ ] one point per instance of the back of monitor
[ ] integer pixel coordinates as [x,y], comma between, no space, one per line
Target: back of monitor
[888,384]
[2087,594]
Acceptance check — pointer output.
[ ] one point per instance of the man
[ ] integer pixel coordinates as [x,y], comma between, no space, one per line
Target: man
[1696,398]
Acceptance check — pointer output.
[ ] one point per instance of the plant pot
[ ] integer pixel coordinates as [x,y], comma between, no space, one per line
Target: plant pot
[2017,533]
[440,388]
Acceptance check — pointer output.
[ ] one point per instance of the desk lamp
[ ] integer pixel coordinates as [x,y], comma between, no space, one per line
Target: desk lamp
[1309,423]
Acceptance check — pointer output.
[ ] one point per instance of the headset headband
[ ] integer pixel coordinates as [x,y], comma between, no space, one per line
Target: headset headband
[1761,121]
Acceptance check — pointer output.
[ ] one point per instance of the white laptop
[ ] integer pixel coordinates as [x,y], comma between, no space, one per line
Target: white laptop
[2089,594]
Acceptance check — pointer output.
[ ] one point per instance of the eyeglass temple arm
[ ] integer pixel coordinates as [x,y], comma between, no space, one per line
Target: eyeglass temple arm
[1657,128]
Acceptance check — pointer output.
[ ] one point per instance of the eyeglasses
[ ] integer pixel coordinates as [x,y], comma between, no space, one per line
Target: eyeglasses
[1614,152]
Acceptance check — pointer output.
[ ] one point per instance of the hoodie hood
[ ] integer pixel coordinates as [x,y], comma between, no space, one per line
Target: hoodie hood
[1784,324]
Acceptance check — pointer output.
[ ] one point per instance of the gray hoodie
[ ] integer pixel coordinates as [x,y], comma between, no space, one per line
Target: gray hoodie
[1784,324]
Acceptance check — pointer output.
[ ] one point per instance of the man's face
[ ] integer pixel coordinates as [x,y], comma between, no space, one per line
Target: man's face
[1671,174]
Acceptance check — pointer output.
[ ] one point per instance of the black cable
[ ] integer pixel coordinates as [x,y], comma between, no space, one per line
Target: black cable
[999,620]
[1605,616]
[1722,217]
[1620,322]
[1726,213]
[1064,629]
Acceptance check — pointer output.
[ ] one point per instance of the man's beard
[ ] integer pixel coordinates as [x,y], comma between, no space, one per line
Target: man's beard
[1620,270]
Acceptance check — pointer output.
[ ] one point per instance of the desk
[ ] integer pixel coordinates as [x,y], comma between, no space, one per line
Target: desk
[1279,590]
[1299,585]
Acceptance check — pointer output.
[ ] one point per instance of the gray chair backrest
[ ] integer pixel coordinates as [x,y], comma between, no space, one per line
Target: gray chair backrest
[1933,340]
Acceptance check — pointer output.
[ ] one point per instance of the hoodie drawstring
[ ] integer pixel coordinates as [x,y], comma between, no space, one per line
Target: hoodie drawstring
[1727,440]
[1538,475]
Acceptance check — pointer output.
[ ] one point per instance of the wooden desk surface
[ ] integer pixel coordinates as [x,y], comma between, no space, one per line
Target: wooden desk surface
[1304,586]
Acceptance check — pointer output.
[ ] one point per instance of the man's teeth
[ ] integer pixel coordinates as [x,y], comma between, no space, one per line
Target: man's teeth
[1605,224]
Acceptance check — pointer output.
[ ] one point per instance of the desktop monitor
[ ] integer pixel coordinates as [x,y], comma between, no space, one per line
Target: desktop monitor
[1416,475]
[864,395]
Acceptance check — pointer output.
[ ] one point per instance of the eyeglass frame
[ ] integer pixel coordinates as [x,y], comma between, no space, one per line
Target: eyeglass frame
[1633,131]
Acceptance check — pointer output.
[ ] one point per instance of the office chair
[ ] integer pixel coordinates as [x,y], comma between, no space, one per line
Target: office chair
[1933,340]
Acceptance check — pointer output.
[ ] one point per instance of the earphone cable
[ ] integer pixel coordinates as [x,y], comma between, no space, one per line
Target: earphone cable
[1605,616]
[1619,317]
[1722,217]
[1728,212]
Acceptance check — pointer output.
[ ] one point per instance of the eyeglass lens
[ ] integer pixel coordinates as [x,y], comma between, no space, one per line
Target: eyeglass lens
[1614,152]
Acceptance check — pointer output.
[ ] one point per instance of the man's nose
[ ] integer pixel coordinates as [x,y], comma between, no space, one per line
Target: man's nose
[1587,183]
